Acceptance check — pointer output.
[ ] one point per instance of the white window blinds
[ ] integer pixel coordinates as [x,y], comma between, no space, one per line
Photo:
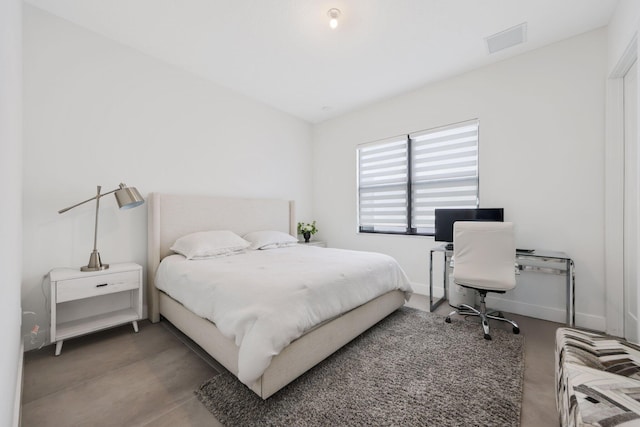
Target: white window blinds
[383,172]
[444,172]
[402,180]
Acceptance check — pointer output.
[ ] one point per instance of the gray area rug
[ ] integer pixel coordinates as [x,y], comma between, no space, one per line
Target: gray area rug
[410,369]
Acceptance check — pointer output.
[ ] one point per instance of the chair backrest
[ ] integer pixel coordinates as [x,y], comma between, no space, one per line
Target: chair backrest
[484,254]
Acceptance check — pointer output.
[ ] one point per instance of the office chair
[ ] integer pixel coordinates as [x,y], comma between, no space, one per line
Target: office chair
[484,255]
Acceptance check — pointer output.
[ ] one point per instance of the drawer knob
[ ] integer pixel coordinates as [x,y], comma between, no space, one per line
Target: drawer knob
[99,286]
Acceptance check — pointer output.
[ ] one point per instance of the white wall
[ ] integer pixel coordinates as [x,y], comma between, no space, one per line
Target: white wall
[10,213]
[541,158]
[97,112]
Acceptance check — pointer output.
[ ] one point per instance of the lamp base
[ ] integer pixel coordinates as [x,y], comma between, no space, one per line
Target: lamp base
[95,264]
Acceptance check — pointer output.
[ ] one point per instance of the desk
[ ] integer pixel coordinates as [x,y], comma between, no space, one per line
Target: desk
[539,260]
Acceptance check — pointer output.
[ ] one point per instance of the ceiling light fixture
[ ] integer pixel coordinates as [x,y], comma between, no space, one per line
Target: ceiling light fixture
[333,14]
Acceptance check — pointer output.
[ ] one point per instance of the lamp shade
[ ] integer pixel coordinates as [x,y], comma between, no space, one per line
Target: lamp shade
[128,197]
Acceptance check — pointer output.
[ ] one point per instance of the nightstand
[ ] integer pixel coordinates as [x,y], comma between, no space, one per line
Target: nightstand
[318,243]
[86,302]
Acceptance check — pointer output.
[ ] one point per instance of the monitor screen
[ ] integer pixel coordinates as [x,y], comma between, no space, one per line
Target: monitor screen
[446,217]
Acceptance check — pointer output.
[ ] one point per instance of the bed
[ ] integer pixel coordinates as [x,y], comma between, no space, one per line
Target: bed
[174,216]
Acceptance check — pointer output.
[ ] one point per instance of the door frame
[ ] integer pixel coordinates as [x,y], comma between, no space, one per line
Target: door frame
[614,191]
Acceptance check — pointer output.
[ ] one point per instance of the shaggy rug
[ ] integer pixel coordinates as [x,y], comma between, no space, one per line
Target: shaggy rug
[411,369]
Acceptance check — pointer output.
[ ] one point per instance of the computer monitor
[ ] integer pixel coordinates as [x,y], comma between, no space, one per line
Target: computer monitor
[444,219]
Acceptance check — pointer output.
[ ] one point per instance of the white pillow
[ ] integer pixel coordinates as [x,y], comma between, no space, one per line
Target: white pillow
[268,239]
[209,244]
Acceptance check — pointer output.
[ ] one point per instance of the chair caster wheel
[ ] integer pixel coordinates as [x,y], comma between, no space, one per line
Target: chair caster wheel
[447,319]
[516,330]
[487,337]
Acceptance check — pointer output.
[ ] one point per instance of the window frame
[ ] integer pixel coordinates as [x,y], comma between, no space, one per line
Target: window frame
[411,228]
[396,186]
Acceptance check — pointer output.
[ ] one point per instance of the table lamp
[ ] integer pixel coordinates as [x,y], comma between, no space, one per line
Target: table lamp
[127,197]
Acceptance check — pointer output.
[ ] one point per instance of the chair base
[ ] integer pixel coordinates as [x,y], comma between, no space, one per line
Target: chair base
[467,310]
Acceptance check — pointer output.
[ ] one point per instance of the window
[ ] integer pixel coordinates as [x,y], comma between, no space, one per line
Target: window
[402,180]
[383,172]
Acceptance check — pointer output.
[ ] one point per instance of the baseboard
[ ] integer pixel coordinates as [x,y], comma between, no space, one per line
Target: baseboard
[422,289]
[17,402]
[587,321]
[552,314]
[583,320]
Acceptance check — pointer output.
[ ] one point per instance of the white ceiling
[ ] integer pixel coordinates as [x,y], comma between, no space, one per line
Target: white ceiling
[283,53]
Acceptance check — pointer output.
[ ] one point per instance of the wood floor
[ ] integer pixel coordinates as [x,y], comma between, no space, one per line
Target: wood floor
[119,378]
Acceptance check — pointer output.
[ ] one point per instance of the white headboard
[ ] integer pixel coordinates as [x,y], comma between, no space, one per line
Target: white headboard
[172,216]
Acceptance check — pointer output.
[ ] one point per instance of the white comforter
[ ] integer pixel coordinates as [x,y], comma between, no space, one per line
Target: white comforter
[264,299]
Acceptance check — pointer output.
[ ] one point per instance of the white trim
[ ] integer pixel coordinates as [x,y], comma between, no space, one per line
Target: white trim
[552,314]
[629,56]
[17,402]
[423,289]
[614,191]
[613,212]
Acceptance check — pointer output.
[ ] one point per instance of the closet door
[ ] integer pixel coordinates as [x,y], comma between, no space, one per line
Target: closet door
[631,200]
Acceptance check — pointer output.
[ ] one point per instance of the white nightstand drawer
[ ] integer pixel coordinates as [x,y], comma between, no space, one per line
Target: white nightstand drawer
[86,287]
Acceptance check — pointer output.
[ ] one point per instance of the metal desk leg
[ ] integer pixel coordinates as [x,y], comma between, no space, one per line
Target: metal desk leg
[571,283]
[432,305]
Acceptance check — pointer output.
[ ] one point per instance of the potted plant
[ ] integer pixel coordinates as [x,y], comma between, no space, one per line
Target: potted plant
[307,230]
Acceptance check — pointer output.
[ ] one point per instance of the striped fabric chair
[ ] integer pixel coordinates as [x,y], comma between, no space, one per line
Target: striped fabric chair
[597,379]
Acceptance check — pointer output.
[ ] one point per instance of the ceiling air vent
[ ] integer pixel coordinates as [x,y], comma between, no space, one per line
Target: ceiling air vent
[507,38]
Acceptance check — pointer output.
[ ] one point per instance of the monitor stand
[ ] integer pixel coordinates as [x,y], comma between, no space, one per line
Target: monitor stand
[449,246]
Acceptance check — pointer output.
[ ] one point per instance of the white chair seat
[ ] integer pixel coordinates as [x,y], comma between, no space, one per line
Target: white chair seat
[486,283]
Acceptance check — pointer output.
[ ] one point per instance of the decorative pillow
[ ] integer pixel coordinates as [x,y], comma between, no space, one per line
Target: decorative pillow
[209,244]
[268,239]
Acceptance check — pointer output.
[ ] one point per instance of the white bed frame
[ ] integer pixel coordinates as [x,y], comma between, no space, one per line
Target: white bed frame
[173,216]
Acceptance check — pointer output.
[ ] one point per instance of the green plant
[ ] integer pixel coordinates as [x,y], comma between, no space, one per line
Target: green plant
[307,228]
